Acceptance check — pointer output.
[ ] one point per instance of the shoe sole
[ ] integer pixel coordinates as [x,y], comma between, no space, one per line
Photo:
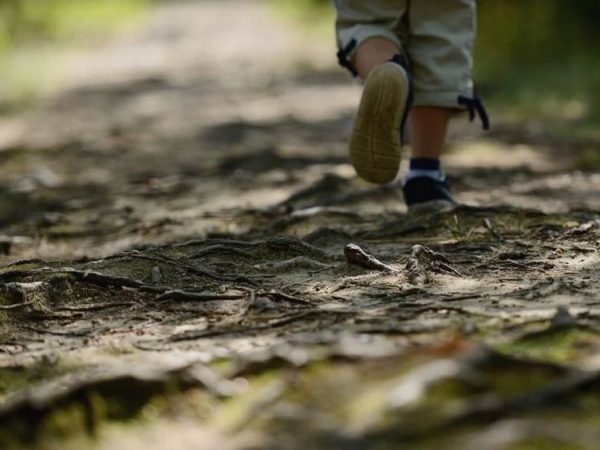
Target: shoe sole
[375,142]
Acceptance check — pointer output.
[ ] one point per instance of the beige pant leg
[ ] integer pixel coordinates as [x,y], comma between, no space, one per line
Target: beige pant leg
[439,48]
[359,20]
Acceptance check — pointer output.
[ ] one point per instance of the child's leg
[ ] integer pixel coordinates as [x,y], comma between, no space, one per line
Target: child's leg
[371,53]
[428,126]
[369,39]
[438,36]
[428,123]
[439,47]
[375,144]
[425,183]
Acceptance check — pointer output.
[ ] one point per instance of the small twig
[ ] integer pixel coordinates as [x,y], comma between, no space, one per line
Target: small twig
[16,305]
[356,255]
[441,307]
[95,307]
[195,296]
[96,278]
[462,297]
[423,261]
[220,248]
[213,332]
[226,242]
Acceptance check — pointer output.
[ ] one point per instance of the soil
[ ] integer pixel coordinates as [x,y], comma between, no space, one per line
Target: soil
[176,222]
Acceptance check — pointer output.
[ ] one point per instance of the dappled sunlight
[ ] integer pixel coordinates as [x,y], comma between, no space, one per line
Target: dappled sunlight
[499,155]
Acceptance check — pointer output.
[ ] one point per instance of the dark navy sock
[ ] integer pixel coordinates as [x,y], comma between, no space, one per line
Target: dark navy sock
[425,167]
[425,164]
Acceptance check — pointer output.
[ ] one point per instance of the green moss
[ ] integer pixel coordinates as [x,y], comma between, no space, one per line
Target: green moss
[589,159]
[323,400]
[545,444]
[238,412]
[222,366]
[13,379]
[65,422]
[24,266]
[313,16]
[512,381]
[568,345]
[37,36]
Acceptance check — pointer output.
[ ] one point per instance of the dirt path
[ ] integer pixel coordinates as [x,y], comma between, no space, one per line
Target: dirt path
[174,224]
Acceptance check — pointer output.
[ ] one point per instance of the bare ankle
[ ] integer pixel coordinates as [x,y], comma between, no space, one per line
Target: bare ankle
[371,53]
[429,125]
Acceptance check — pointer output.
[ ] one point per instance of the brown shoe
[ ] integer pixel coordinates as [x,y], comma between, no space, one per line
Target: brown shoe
[375,144]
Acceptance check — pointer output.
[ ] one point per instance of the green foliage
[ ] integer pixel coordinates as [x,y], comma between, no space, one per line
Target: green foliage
[317,16]
[13,379]
[538,55]
[562,345]
[35,35]
[34,20]
[535,58]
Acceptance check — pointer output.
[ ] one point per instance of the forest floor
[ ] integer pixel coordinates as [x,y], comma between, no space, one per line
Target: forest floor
[176,270]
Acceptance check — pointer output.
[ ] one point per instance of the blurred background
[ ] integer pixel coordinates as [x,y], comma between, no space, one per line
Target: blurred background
[535,58]
[114,102]
[37,37]
[128,124]
[538,57]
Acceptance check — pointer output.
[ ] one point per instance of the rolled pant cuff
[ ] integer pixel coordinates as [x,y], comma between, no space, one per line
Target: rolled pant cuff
[361,33]
[445,99]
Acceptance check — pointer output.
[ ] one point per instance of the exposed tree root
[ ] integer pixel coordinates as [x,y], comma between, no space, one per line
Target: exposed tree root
[423,261]
[91,277]
[356,255]
[195,296]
